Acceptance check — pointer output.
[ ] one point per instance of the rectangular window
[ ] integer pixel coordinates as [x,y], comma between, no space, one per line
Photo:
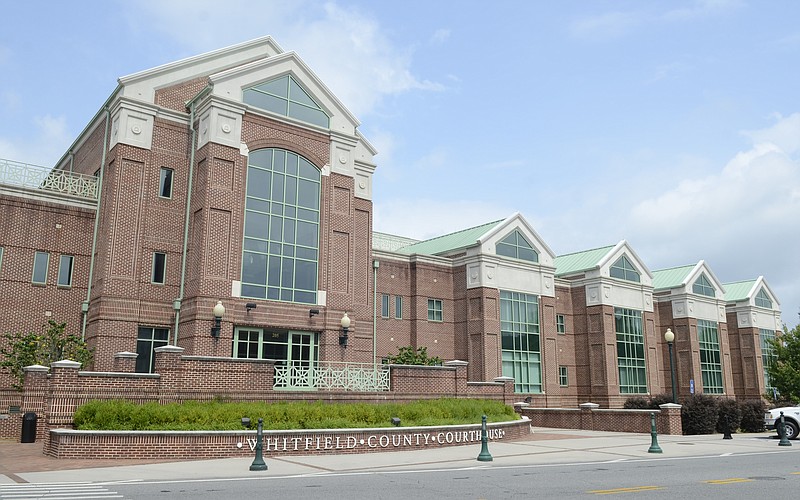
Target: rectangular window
[398,307]
[148,339]
[561,327]
[563,381]
[767,354]
[384,306]
[519,333]
[434,310]
[65,270]
[630,351]
[165,183]
[41,262]
[159,267]
[710,358]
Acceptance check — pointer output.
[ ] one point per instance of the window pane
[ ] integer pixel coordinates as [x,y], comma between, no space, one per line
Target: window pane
[159,267]
[398,307]
[259,182]
[65,271]
[165,187]
[41,261]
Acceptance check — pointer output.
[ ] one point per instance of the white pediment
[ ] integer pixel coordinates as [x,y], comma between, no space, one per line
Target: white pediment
[488,242]
[231,83]
[624,249]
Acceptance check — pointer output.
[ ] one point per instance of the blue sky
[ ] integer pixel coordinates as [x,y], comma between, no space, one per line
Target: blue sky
[672,124]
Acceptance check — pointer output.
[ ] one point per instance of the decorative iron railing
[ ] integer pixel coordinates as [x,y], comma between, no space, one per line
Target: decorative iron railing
[329,375]
[60,181]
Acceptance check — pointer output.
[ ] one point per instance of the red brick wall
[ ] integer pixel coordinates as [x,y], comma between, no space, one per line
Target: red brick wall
[668,419]
[235,444]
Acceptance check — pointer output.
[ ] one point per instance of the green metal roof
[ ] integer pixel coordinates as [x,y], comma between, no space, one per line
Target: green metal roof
[734,292]
[580,261]
[449,242]
[672,277]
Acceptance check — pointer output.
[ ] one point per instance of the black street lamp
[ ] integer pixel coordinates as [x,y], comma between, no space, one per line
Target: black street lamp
[670,338]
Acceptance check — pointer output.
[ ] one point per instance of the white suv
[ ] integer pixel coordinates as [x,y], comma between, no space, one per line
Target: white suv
[791,419]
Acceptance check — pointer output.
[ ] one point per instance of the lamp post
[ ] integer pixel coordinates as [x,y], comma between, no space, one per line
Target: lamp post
[345,324]
[670,338]
[219,311]
[258,461]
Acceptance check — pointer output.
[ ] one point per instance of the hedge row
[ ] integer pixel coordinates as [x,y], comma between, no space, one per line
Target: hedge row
[704,414]
[219,415]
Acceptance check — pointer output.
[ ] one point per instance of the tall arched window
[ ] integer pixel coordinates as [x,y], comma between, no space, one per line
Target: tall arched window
[280,251]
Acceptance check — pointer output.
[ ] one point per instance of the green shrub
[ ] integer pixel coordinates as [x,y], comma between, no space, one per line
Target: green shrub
[730,415]
[699,414]
[637,403]
[218,415]
[753,415]
[660,399]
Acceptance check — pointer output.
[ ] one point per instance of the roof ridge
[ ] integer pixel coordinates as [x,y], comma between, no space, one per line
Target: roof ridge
[587,250]
[461,231]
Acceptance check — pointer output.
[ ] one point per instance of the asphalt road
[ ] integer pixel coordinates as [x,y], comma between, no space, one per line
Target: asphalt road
[759,475]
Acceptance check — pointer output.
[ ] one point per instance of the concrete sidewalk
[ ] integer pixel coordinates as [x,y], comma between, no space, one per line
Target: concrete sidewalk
[25,463]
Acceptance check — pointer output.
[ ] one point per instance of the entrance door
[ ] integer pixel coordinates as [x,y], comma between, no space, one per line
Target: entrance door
[302,357]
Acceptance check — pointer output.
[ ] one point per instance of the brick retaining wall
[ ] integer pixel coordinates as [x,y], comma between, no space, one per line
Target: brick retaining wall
[181,445]
[591,417]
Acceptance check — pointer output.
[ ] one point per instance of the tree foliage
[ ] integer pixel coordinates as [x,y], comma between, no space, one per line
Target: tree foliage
[54,344]
[410,356]
[784,371]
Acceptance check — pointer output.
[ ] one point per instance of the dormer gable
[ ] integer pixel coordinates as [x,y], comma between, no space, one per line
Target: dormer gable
[754,304]
[623,263]
[515,238]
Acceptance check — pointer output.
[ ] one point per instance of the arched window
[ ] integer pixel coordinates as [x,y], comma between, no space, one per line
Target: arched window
[763,300]
[624,270]
[515,245]
[286,97]
[280,251]
[703,287]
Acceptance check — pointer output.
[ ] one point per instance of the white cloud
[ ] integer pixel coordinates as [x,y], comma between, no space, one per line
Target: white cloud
[440,36]
[741,219]
[50,141]
[347,48]
[703,8]
[604,26]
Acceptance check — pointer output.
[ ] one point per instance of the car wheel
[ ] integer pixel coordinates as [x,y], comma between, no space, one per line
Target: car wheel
[791,429]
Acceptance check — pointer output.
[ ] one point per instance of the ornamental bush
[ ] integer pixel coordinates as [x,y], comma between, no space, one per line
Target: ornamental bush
[699,414]
[753,415]
[730,415]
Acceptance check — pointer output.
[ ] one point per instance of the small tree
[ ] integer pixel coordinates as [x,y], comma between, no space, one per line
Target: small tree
[410,356]
[784,370]
[26,349]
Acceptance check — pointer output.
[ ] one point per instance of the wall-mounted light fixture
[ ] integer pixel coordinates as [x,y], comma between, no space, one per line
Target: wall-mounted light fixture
[219,311]
[345,323]
[313,312]
[250,305]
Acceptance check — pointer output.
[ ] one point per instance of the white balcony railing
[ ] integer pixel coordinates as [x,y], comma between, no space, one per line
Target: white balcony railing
[60,181]
[328,375]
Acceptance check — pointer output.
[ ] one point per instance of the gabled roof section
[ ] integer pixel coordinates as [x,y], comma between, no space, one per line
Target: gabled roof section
[748,289]
[229,83]
[450,242]
[740,290]
[581,261]
[516,219]
[142,85]
[672,277]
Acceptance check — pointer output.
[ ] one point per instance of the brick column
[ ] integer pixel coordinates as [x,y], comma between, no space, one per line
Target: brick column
[125,362]
[168,364]
[34,397]
[669,420]
[62,403]
[508,389]
[587,415]
[461,376]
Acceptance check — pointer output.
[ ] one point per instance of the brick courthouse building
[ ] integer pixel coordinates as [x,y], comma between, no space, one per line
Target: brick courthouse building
[237,179]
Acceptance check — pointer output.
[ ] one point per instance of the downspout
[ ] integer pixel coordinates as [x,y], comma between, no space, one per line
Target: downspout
[176,305]
[85,304]
[375,264]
